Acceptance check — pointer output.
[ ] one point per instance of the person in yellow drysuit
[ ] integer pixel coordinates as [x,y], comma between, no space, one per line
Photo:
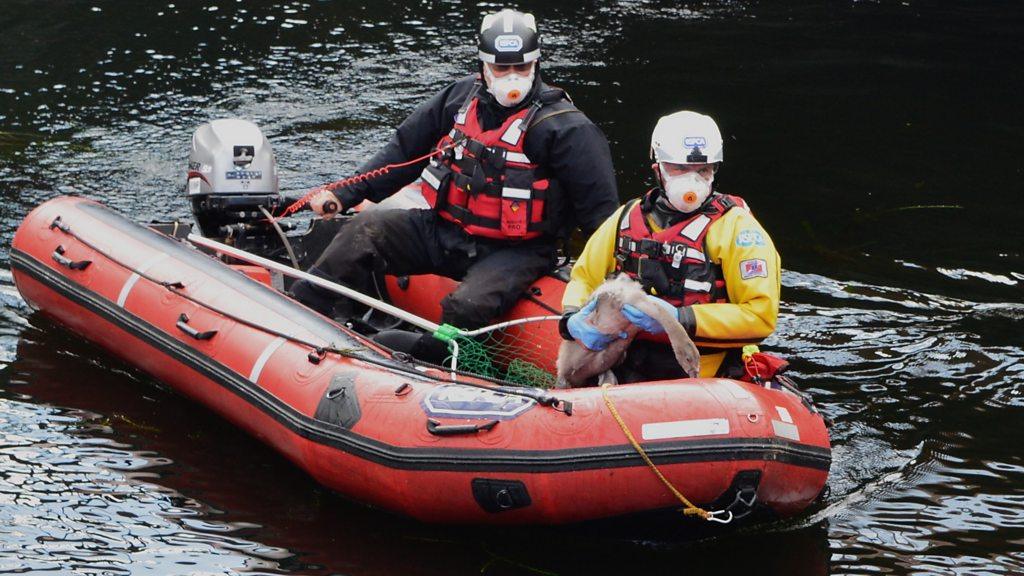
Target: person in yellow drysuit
[696,251]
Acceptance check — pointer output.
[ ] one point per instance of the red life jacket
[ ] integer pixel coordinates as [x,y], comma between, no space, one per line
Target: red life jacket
[674,261]
[486,183]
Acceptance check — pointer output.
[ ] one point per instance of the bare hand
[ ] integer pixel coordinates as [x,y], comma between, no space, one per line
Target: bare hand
[325,203]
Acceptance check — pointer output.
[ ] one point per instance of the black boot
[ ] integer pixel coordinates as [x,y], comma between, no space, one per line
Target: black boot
[418,345]
[313,296]
[430,349]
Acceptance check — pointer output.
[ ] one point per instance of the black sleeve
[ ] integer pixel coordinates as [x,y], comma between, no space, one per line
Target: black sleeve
[414,137]
[581,161]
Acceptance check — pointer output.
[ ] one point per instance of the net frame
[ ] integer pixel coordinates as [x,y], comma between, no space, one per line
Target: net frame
[519,352]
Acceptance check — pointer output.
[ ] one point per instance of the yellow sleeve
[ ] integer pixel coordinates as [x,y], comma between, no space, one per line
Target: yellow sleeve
[752,271]
[595,263]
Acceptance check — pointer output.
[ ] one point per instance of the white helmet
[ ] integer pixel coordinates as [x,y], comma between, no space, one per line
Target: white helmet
[686,138]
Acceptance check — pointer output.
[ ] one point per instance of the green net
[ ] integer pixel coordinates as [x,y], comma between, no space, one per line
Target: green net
[521,354]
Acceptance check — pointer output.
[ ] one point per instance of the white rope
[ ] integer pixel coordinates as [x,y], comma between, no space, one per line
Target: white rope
[507,324]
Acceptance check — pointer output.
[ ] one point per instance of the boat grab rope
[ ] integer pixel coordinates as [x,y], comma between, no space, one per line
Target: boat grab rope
[540,396]
[369,175]
[690,509]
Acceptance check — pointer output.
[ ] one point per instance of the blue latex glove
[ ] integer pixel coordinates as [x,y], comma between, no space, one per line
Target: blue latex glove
[645,322]
[586,334]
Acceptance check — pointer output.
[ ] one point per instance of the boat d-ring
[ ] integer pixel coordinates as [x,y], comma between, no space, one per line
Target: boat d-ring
[714,516]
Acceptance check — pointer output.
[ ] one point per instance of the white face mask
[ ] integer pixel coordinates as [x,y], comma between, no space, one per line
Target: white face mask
[687,192]
[511,88]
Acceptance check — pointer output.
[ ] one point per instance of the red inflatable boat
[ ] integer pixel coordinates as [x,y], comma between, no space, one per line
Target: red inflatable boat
[403,436]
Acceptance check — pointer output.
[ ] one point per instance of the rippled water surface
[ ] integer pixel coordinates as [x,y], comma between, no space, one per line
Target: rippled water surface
[878,142]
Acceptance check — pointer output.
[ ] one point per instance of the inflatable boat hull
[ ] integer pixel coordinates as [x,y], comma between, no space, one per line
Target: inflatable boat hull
[397,435]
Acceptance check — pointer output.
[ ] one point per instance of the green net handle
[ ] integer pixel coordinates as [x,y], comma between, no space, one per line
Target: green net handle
[446,333]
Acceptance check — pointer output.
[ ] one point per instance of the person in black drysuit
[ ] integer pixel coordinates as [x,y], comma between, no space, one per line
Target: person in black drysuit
[564,144]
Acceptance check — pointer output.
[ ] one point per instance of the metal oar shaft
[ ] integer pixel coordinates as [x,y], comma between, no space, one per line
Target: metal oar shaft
[316,280]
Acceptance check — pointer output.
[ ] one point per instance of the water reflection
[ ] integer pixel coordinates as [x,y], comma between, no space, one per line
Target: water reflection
[846,126]
[73,499]
[245,505]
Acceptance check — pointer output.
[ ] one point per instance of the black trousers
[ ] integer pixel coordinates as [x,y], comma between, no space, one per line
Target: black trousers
[646,360]
[404,242]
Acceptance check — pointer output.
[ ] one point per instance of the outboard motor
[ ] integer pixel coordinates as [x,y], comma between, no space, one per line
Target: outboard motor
[233,189]
[232,174]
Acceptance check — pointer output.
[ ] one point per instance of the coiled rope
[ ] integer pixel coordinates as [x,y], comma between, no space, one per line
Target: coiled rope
[375,173]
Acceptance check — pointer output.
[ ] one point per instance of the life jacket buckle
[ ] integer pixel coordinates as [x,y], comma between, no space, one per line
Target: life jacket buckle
[650,248]
[496,158]
[477,180]
[652,275]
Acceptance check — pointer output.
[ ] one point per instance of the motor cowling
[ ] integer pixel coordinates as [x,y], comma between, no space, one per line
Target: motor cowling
[232,173]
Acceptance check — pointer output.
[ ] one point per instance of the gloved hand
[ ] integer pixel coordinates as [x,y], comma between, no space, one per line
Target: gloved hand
[585,332]
[645,322]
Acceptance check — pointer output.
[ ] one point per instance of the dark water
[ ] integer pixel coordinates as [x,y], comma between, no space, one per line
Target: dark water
[879,142]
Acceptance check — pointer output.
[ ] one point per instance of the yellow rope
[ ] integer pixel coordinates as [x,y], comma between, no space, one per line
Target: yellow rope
[690,509]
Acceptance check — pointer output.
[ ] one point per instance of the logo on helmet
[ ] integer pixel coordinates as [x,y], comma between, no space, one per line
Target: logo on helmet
[695,141]
[508,43]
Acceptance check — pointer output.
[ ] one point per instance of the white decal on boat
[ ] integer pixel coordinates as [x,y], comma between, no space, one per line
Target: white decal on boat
[786,430]
[130,283]
[257,368]
[684,428]
[737,390]
[784,414]
[456,401]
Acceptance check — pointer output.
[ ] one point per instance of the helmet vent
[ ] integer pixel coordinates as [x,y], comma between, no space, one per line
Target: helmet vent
[696,156]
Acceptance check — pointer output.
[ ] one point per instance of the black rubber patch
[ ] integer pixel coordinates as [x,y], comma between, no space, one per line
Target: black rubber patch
[740,497]
[500,495]
[340,406]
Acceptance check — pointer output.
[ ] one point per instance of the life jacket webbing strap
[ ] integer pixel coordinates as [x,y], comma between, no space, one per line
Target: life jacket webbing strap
[555,113]
[467,218]
[624,215]
[460,118]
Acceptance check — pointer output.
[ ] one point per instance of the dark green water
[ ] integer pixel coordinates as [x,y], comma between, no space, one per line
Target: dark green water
[879,142]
